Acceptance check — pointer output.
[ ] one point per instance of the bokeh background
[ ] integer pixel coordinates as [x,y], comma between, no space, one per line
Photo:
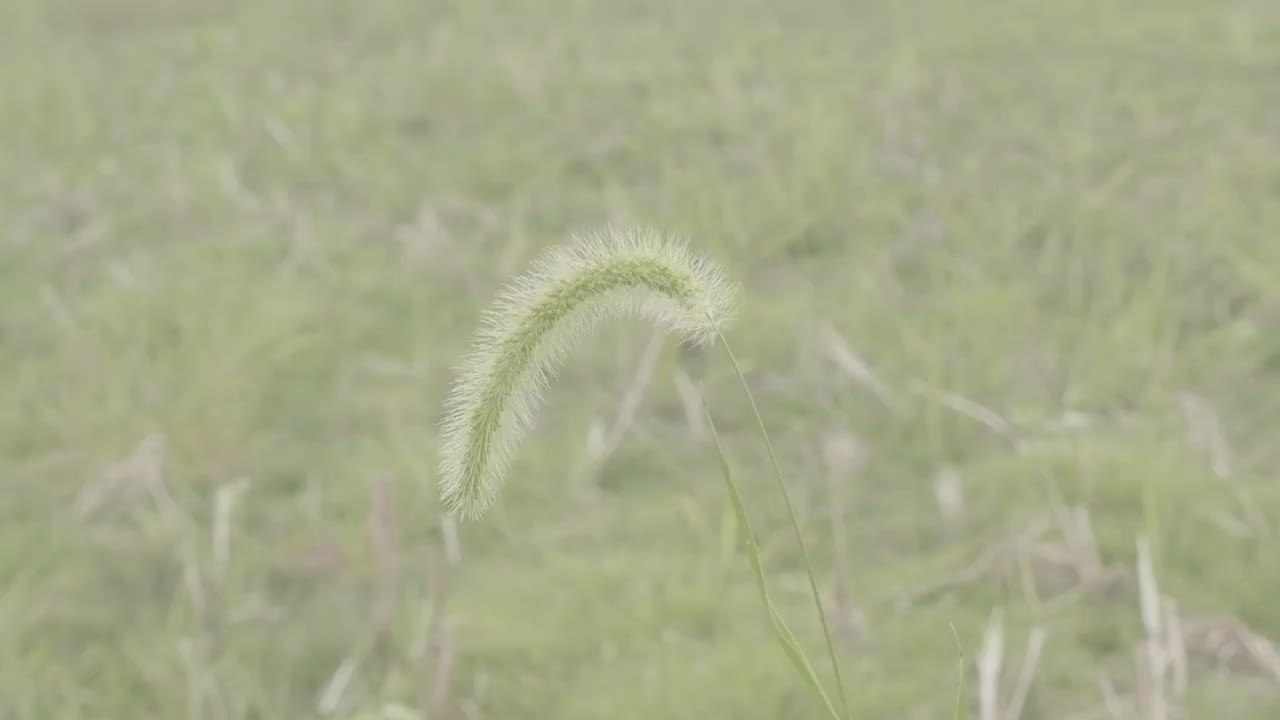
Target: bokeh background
[1010,275]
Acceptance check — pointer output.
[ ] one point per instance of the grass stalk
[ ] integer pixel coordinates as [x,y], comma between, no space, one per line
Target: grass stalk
[529,333]
[795,525]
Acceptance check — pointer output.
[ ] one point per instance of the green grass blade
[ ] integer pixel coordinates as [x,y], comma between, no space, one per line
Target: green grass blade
[788,639]
[795,524]
[960,713]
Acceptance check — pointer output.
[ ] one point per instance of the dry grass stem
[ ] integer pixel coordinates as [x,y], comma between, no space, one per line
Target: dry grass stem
[845,456]
[628,409]
[691,403]
[990,663]
[1027,675]
[855,367]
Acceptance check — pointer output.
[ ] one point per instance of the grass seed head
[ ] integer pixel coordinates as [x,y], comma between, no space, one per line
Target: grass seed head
[536,322]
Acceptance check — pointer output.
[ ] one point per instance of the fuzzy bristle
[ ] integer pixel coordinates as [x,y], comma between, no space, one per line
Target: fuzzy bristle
[535,323]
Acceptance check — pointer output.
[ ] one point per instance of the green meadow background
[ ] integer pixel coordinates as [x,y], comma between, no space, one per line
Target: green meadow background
[1010,290]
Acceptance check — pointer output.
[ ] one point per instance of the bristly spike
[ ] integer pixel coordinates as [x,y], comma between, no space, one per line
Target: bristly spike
[528,332]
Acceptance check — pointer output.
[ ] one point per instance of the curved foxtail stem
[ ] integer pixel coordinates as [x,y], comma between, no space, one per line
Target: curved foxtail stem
[525,339]
[536,322]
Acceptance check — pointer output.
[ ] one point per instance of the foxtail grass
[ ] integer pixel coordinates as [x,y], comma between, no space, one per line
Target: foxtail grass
[526,337]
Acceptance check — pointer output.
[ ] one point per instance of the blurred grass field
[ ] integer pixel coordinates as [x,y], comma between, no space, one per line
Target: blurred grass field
[1011,274]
